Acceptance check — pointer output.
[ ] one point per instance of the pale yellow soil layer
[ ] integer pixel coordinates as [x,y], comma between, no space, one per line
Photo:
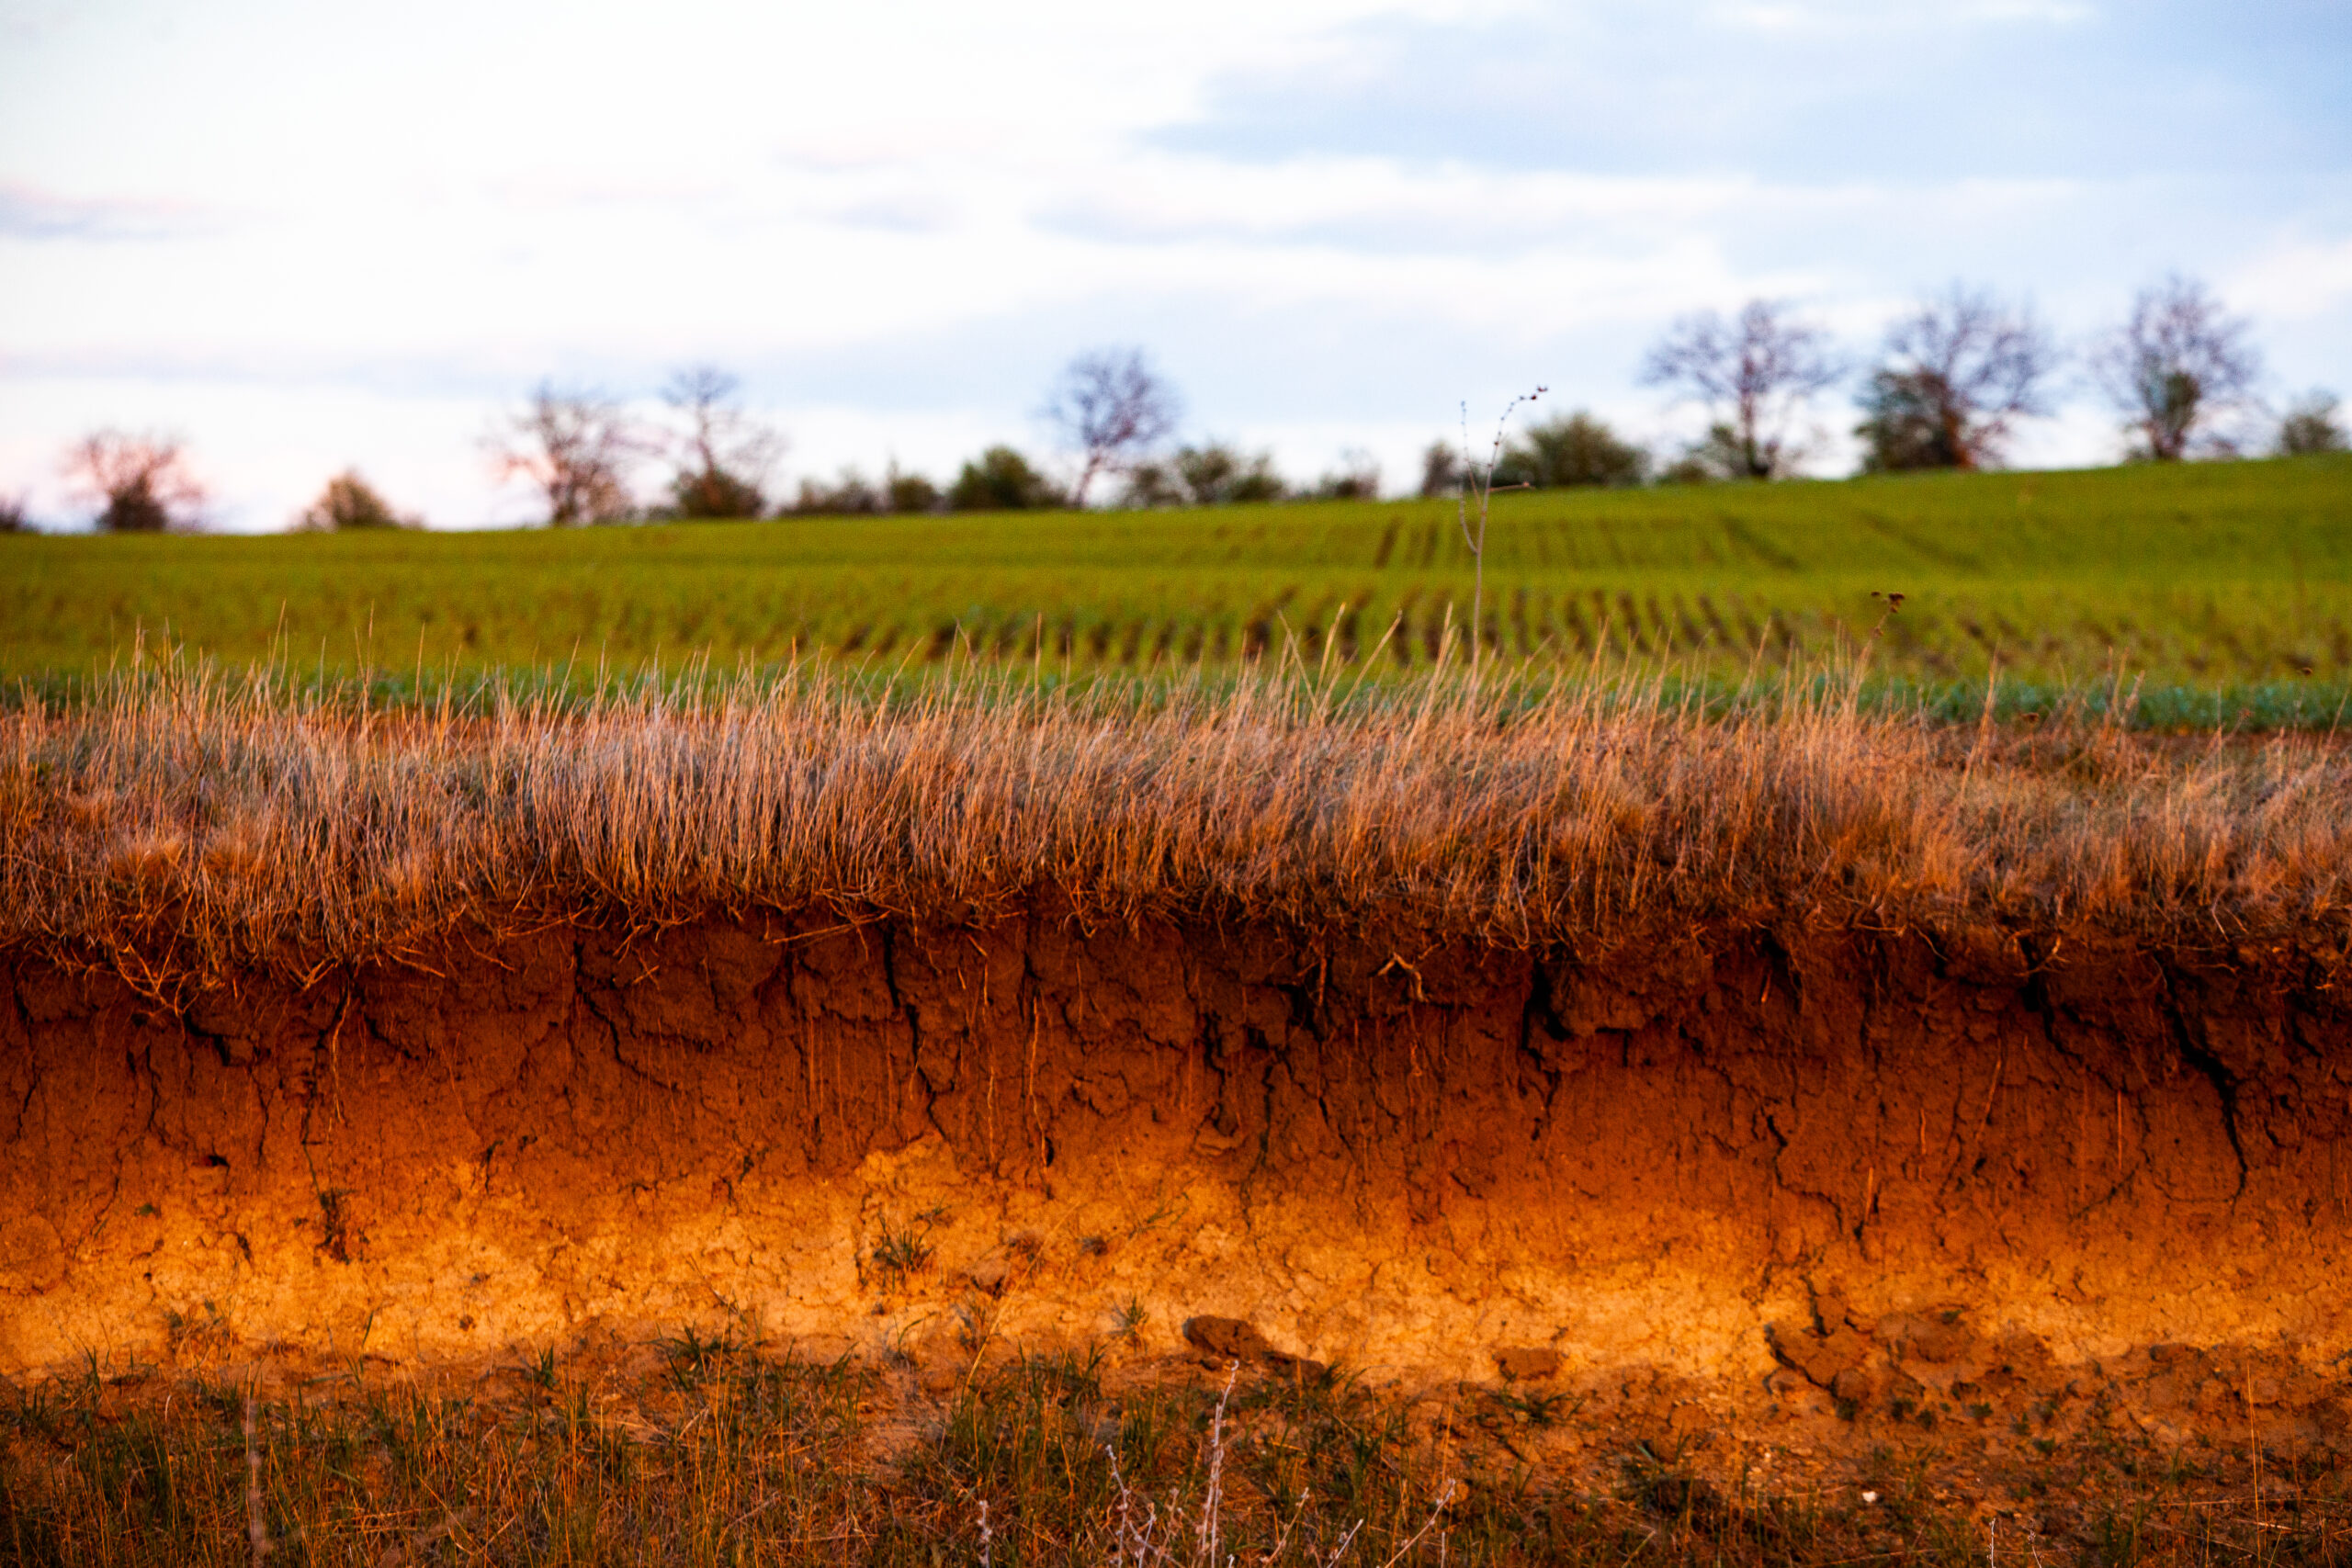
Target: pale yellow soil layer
[1827,1175]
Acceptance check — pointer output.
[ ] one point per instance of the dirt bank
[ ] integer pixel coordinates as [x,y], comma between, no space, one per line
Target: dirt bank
[1856,1182]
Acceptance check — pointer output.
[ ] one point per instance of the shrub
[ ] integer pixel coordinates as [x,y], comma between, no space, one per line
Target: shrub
[855,495]
[911,492]
[1441,469]
[852,495]
[350,502]
[1001,479]
[1720,455]
[1903,427]
[1356,479]
[714,494]
[1151,484]
[1219,472]
[2310,426]
[1573,449]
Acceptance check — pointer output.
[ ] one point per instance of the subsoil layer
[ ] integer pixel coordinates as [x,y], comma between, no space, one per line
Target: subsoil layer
[1833,1195]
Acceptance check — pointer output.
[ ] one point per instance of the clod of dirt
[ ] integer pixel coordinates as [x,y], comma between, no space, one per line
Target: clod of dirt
[1837,1360]
[1297,1370]
[1226,1339]
[1526,1363]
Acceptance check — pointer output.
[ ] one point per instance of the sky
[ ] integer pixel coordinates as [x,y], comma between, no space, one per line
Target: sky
[302,237]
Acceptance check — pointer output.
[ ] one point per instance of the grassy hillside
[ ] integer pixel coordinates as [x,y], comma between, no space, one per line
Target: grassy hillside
[2207,575]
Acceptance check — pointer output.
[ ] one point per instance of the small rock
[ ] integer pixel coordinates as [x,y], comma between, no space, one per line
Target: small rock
[1300,1371]
[1526,1362]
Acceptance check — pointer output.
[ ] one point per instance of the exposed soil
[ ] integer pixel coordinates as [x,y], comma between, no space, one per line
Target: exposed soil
[1827,1192]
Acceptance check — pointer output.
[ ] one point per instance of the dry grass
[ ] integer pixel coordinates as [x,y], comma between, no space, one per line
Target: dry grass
[200,825]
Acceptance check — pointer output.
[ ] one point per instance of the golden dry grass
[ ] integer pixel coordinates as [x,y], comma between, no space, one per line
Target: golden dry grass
[200,825]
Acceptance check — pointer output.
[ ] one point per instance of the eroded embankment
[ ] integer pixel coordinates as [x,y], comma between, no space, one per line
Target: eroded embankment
[1861,1177]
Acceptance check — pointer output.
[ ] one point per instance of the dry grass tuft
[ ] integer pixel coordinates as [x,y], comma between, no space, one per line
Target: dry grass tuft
[206,825]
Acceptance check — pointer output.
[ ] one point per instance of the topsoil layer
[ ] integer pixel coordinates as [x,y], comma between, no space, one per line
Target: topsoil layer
[1858,1184]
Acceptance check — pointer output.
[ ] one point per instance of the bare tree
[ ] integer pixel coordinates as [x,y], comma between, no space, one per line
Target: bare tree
[1110,407]
[1960,371]
[1755,373]
[140,483]
[2174,363]
[577,448]
[724,457]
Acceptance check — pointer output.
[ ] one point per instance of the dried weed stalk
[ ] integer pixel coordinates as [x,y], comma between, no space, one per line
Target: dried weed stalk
[190,825]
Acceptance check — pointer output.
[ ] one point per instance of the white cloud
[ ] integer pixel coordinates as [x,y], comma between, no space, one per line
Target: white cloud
[1850,17]
[2296,280]
[311,235]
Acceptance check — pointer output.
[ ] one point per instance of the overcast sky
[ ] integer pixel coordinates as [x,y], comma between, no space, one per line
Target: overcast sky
[303,236]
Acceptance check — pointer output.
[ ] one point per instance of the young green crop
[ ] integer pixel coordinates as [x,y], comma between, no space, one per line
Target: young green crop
[2198,576]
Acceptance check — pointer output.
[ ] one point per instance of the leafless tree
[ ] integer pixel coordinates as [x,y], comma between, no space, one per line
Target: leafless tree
[578,449]
[2174,364]
[1755,373]
[1961,371]
[139,484]
[1110,407]
[724,457]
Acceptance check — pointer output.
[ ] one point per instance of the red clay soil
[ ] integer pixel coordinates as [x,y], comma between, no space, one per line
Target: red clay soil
[1852,1183]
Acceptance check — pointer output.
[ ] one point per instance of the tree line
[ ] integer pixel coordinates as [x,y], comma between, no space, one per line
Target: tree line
[1949,386]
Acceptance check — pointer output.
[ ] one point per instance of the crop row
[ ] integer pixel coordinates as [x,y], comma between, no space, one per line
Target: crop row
[2214,573]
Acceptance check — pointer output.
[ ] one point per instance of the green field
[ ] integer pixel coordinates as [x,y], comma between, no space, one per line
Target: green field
[2207,576]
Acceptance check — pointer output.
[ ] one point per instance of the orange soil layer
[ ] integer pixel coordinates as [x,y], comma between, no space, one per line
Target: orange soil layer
[1824,1178]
